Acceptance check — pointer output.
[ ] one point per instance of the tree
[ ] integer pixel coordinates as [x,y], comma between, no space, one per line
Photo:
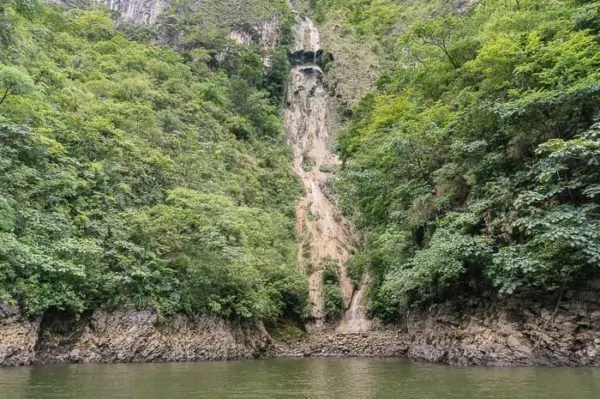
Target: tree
[14,81]
[438,33]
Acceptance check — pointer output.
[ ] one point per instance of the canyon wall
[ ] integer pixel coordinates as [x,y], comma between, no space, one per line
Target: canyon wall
[513,331]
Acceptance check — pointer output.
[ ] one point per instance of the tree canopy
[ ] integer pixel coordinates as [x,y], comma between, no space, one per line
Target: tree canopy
[138,175]
[473,165]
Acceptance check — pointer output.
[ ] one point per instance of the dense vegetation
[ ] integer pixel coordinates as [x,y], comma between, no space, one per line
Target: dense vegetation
[473,167]
[133,174]
[138,175]
[362,36]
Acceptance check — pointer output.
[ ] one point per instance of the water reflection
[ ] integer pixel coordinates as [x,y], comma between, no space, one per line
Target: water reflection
[300,378]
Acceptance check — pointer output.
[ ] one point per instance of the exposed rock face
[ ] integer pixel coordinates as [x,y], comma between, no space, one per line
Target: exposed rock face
[267,35]
[18,337]
[323,230]
[513,332]
[139,11]
[124,336]
[306,34]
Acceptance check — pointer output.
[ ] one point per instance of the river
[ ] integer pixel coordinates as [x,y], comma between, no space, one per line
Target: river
[297,378]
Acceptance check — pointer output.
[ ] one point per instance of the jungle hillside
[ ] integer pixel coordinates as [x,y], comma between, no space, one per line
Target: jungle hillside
[143,172]
[472,165]
[147,166]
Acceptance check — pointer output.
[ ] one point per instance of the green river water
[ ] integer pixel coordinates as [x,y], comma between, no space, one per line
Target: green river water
[296,378]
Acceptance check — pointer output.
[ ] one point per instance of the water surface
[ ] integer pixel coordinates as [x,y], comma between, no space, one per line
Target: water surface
[297,378]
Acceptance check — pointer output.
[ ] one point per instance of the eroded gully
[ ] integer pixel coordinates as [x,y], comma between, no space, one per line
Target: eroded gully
[324,232]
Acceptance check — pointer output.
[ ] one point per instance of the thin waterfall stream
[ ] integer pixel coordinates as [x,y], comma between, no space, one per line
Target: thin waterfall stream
[325,233]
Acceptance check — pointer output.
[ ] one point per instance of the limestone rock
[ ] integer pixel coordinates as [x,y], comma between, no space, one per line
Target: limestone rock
[124,336]
[139,11]
[517,331]
[18,337]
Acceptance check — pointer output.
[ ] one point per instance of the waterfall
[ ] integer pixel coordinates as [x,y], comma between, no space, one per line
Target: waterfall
[325,233]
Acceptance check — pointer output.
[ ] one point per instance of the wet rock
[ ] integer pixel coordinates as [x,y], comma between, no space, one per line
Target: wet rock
[326,234]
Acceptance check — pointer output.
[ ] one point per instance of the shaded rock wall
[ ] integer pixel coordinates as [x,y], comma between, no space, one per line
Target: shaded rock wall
[18,337]
[124,336]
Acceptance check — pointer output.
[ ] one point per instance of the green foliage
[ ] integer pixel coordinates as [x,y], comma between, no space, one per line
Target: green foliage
[136,175]
[332,294]
[473,168]
[333,302]
[356,267]
[562,239]
[228,13]
[14,81]
[433,271]
[363,37]
[330,271]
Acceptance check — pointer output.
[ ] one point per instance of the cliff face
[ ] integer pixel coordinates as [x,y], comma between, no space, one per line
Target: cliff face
[139,11]
[511,332]
[516,331]
[265,32]
[124,336]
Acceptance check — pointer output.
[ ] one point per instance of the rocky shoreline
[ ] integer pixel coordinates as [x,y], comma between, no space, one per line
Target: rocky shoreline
[510,332]
[124,336]
[475,333]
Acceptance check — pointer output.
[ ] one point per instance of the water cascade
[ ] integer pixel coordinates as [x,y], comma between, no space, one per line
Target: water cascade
[325,233]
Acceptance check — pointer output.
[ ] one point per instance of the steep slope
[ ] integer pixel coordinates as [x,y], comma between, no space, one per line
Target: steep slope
[207,13]
[139,11]
[139,176]
[324,232]
[472,165]
[147,198]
